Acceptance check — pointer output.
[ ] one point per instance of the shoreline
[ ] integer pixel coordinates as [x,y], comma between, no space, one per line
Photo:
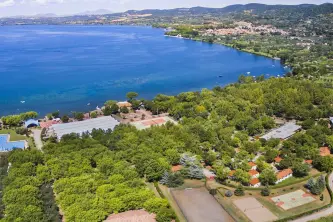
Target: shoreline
[87,109]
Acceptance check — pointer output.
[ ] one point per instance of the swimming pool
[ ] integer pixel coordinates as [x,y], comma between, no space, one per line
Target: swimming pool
[6,145]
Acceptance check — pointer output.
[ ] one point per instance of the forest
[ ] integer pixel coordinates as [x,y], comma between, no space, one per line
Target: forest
[105,172]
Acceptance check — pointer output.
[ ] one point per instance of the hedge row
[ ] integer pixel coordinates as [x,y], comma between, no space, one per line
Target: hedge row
[159,190]
[278,185]
[315,210]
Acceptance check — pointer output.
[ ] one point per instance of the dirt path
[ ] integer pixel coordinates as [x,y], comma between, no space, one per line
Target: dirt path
[37,138]
[323,213]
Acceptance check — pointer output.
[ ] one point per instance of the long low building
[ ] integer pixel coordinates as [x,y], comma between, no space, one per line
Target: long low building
[104,123]
[159,121]
[283,133]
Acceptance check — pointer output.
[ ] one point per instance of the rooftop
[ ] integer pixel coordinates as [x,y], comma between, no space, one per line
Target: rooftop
[124,104]
[284,132]
[252,164]
[253,172]
[324,151]
[232,172]
[283,173]
[308,161]
[104,123]
[277,159]
[254,181]
[208,173]
[176,168]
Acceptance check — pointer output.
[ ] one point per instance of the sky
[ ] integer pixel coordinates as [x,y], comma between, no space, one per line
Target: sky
[67,7]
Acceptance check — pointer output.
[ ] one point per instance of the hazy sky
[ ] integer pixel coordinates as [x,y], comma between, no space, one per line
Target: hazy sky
[63,7]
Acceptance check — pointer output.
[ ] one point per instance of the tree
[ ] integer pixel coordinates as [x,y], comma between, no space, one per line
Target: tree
[271,154]
[172,156]
[267,177]
[307,124]
[93,114]
[65,119]
[124,109]
[28,115]
[222,173]
[110,103]
[79,116]
[131,95]
[265,191]
[242,176]
[300,170]
[323,163]
[239,191]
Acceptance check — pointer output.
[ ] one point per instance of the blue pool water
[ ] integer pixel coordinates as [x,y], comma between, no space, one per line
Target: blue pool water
[66,67]
[8,146]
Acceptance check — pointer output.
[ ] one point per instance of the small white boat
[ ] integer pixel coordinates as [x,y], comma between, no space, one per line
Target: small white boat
[248,73]
[98,108]
[22,101]
[88,104]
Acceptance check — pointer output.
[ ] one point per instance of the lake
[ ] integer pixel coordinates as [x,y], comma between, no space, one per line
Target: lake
[66,67]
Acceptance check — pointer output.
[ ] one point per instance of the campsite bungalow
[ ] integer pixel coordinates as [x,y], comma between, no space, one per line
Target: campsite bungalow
[255,182]
[231,175]
[254,174]
[253,165]
[283,175]
[277,160]
[324,151]
[176,168]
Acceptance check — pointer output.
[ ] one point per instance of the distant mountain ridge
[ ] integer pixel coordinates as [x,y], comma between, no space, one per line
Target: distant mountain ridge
[254,7]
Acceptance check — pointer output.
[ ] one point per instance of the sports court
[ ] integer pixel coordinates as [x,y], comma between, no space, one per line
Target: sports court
[144,124]
[198,205]
[292,200]
[254,210]
[6,145]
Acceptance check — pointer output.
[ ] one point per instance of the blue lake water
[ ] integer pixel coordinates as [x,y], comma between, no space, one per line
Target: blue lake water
[66,67]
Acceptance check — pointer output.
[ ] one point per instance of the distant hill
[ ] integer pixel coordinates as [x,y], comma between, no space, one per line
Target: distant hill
[96,12]
[253,7]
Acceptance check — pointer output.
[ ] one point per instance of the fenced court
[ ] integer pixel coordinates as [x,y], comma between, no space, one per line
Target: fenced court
[292,200]
[254,210]
[6,145]
[198,205]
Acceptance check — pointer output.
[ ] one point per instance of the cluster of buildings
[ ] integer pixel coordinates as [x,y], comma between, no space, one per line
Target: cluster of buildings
[245,28]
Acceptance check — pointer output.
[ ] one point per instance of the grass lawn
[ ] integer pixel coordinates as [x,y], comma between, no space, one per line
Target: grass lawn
[13,135]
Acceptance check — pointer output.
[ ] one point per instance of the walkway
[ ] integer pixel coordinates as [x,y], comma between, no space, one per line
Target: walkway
[38,138]
[323,213]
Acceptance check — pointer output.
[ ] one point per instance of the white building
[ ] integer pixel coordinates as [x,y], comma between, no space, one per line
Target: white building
[283,175]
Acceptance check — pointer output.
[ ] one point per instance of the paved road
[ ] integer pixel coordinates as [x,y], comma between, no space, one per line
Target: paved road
[323,213]
[38,138]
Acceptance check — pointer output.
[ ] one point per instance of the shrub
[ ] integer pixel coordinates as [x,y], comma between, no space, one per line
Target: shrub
[228,193]
[21,131]
[265,192]
[213,192]
[239,191]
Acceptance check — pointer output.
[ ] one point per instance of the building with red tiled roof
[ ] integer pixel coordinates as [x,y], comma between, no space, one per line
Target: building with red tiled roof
[231,174]
[255,182]
[308,161]
[176,168]
[253,165]
[277,159]
[324,151]
[132,216]
[254,173]
[283,175]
